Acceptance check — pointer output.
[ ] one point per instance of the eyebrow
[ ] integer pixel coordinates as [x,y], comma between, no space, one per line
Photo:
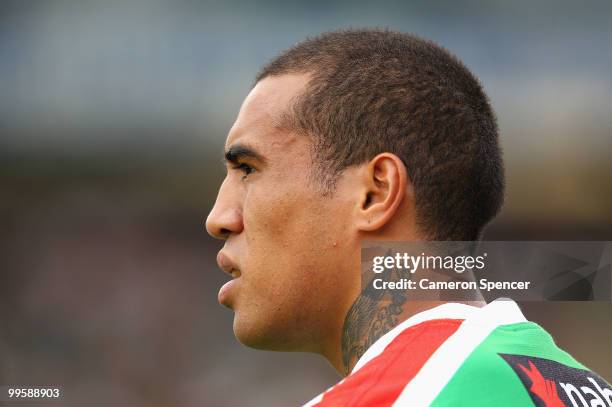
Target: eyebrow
[240,151]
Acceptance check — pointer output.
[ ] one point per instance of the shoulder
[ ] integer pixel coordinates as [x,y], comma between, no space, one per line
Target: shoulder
[520,364]
[445,362]
[485,376]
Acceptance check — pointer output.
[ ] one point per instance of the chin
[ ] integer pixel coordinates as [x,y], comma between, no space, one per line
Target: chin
[260,336]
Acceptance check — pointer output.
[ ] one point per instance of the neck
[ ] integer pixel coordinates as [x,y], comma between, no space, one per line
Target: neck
[373,314]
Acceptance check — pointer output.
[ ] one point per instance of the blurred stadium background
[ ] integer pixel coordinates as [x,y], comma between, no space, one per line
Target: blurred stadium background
[112,121]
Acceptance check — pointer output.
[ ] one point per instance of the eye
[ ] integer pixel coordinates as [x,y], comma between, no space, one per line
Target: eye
[245,168]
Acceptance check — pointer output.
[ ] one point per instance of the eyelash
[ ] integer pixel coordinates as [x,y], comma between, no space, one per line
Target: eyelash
[245,168]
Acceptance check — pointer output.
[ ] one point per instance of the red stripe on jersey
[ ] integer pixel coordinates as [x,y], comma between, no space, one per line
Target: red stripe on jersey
[380,381]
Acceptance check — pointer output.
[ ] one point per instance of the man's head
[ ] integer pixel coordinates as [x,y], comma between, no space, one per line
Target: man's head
[352,135]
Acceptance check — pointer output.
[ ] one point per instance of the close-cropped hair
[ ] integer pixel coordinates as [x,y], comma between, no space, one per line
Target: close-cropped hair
[372,91]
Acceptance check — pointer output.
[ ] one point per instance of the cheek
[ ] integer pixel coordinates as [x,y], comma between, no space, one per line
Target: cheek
[279,216]
[290,241]
[297,259]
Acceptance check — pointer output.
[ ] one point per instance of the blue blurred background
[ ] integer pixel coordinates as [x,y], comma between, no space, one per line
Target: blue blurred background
[112,121]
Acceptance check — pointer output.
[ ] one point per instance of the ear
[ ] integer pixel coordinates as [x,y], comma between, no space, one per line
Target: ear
[384,183]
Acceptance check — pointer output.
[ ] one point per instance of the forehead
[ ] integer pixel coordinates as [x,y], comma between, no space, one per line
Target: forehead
[260,120]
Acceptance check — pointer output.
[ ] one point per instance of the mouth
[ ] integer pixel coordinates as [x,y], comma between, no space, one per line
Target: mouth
[226,264]
[227,293]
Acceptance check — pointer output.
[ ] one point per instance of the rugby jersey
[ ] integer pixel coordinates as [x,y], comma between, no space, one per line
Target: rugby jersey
[459,355]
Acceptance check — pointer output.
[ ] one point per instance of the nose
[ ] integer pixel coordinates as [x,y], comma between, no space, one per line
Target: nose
[225,218]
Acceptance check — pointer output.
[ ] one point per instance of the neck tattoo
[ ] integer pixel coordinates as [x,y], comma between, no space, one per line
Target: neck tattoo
[374,313]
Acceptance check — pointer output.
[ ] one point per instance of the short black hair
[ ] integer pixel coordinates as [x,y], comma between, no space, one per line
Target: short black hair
[376,90]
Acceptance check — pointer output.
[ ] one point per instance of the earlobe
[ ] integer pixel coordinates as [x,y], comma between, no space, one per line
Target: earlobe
[384,186]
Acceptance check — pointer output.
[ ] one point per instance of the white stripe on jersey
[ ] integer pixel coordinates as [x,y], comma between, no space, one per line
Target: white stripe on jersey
[444,311]
[442,365]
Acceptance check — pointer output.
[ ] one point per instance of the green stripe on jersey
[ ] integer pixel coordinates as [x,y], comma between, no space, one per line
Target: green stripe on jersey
[485,379]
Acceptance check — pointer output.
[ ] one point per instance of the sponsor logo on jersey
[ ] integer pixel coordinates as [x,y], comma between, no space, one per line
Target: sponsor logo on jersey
[553,384]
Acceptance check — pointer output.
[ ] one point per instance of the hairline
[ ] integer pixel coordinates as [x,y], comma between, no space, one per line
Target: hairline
[321,175]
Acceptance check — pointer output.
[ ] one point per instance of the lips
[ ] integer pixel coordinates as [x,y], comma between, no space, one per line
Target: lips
[226,264]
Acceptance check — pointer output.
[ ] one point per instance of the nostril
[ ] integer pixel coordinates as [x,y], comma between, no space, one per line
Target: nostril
[223,222]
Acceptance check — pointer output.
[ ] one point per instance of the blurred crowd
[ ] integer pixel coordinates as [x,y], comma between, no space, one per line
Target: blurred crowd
[112,121]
